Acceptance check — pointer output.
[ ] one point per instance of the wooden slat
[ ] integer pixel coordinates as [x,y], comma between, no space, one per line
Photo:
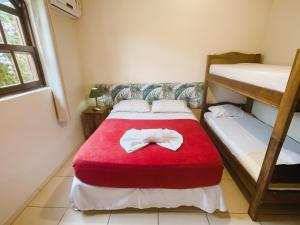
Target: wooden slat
[234,57]
[249,104]
[261,94]
[282,197]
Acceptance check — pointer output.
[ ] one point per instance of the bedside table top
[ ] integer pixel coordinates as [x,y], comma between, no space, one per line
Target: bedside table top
[90,110]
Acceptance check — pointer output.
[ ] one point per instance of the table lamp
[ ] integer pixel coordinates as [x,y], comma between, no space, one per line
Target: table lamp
[96,93]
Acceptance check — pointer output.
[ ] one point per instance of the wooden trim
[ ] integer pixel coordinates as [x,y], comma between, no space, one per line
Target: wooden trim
[9,10]
[17,67]
[205,90]
[282,197]
[261,94]
[17,48]
[20,88]
[249,104]
[233,58]
[35,54]
[22,13]
[2,33]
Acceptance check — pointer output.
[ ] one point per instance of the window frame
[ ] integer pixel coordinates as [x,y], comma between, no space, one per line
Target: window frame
[22,13]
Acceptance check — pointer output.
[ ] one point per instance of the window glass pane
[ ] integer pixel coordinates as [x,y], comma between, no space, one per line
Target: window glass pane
[12,29]
[27,67]
[8,72]
[7,3]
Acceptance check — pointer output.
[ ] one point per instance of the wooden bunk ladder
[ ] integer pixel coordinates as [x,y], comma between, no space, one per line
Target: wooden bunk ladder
[284,117]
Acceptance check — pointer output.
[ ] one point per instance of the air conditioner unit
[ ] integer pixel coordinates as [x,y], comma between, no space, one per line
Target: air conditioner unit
[68,7]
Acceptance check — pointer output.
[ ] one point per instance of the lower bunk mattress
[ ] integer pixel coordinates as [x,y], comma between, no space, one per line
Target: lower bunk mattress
[101,161]
[247,138]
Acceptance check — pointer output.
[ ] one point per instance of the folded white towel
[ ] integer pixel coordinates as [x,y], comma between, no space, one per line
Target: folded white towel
[134,139]
[152,135]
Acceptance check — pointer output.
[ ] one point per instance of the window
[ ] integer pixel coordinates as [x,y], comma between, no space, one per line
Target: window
[20,68]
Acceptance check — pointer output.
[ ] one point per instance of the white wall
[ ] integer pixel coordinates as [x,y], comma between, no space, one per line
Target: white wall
[32,143]
[164,40]
[282,37]
[129,41]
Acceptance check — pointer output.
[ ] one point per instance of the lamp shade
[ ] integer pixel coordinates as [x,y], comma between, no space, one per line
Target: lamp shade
[96,92]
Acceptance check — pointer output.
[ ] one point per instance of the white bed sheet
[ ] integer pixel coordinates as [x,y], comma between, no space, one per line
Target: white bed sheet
[247,138]
[151,116]
[273,77]
[88,197]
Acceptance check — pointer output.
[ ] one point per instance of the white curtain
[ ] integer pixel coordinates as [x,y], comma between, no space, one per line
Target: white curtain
[41,23]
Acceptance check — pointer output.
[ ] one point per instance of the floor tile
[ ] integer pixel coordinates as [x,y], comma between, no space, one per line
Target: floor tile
[280,220]
[54,194]
[234,199]
[230,219]
[134,218]
[135,210]
[180,218]
[66,170]
[181,209]
[40,216]
[73,217]
[226,175]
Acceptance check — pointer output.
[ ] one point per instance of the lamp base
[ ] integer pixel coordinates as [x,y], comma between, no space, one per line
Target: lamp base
[96,109]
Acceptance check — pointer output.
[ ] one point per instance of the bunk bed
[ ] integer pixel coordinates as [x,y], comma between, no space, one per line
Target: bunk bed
[277,86]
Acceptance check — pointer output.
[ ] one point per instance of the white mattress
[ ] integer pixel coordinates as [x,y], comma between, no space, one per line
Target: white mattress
[88,197]
[247,138]
[273,77]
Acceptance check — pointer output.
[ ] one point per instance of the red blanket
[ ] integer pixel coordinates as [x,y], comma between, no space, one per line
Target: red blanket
[101,161]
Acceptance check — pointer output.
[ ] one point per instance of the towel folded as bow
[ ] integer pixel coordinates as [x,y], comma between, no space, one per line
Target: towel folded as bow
[134,139]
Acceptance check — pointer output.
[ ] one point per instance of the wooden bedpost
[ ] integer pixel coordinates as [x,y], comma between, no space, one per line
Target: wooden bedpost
[205,90]
[249,104]
[285,114]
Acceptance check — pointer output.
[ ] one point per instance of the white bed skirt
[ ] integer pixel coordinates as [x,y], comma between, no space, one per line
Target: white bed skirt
[87,197]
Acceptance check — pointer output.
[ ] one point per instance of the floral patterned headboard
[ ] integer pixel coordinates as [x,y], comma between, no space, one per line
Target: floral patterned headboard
[191,92]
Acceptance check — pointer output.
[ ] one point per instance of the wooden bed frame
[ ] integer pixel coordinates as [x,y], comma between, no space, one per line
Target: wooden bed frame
[258,193]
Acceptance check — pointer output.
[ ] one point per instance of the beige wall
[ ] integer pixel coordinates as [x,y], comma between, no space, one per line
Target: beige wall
[129,41]
[282,39]
[164,40]
[33,144]
[282,34]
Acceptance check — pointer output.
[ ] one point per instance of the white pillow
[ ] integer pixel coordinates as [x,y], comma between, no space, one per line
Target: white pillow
[226,110]
[132,106]
[168,106]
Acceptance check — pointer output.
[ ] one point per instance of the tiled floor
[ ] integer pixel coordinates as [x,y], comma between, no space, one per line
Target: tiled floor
[51,207]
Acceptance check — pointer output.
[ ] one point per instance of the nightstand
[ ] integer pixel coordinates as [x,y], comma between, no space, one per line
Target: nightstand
[92,119]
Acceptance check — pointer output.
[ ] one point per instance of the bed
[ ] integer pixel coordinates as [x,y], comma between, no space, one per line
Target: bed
[277,86]
[248,140]
[273,77]
[106,177]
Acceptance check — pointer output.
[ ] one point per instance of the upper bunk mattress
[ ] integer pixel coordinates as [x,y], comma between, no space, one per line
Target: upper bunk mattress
[273,77]
[247,138]
[101,161]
